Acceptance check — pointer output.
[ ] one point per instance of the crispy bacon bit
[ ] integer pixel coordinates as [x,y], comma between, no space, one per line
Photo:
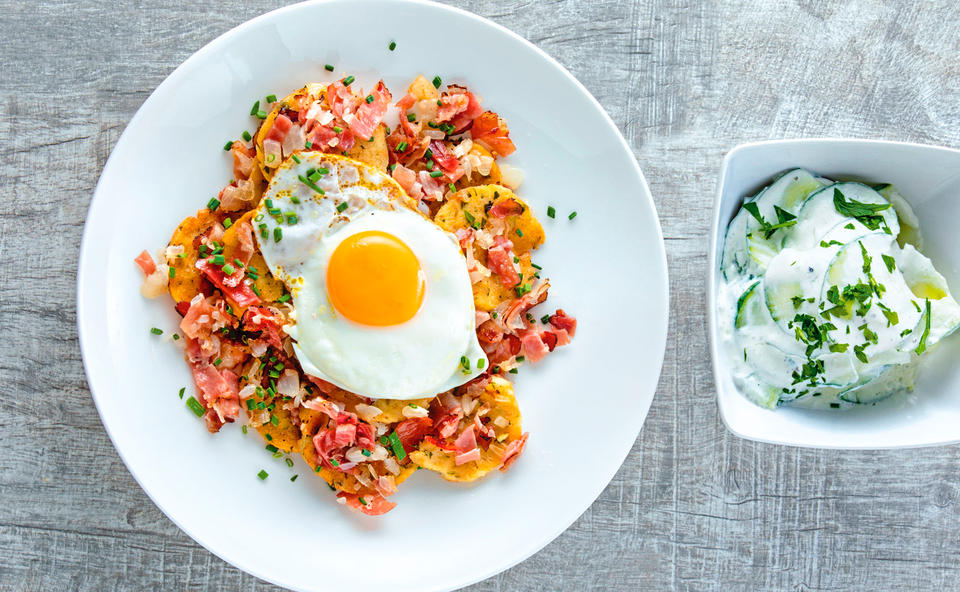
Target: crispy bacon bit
[245,248]
[492,131]
[467,440]
[447,162]
[242,160]
[451,105]
[412,431]
[219,393]
[369,115]
[561,320]
[278,131]
[239,291]
[146,263]
[465,118]
[534,349]
[373,504]
[407,179]
[513,451]
[262,319]
[500,262]
[506,207]
[465,457]
[502,351]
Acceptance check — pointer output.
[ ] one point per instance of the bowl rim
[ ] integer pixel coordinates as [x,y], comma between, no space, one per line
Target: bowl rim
[712,280]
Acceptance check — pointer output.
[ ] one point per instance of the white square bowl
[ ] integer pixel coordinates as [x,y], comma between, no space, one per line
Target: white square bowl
[929,178]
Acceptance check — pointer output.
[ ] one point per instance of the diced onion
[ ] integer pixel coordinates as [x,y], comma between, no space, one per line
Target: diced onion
[511,176]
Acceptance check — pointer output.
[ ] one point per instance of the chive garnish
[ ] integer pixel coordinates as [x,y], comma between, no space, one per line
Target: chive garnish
[436,174]
[213,204]
[341,206]
[255,108]
[227,146]
[437,82]
[277,235]
[572,215]
[348,80]
[551,212]
[263,475]
[271,98]
[246,136]
[310,184]
[156,331]
[195,406]
[328,67]
[392,46]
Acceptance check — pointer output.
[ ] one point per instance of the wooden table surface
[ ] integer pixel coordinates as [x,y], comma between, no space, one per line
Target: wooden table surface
[693,507]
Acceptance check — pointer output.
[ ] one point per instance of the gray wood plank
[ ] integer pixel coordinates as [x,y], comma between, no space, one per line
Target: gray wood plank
[692,508]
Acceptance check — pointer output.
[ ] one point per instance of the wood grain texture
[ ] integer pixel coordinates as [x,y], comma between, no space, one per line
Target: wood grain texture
[692,508]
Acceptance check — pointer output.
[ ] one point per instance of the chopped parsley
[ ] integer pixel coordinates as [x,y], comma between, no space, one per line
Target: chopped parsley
[865,213]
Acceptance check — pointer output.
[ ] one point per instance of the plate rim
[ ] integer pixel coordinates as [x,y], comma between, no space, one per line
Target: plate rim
[212,47]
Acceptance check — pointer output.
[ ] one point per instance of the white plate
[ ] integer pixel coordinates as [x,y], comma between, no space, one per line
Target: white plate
[583,405]
[929,178]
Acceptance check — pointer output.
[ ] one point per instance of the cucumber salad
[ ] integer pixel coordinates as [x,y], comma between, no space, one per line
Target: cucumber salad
[826,300]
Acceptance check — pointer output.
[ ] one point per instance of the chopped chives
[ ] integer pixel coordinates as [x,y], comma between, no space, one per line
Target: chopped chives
[519,232]
[341,206]
[453,188]
[271,98]
[227,146]
[263,475]
[255,108]
[271,448]
[392,167]
[277,235]
[239,263]
[392,46]
[176,336]
[243,429]
[411,117]
[334,462]
[365,452]
[436,174]
[535,266]
[255,289]
[289,462]
[227,223]
[551,212]
[337,129]
[323,170]
[263,231]
[156,331]
[292,218]
[572,215]
[369,99]
[308,144]
[296,158]
[514,371]
[228,269]
[328,67]
[348,80]
[294,478]
[481,362]
[401,146]
[310,184]
[246,136]
[284,298]
[182,390]
[437,82]
[545,319]
[261,114]
[274,420]
[172,272]
[520,358]
[213,204]
[219,260]
[195,406]
[218,361]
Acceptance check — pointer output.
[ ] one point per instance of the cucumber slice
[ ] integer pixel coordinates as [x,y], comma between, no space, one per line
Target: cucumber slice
[909,223]
[818,217]
[925,282]
[793,279]
[749,307]
[787,192]
[735,246]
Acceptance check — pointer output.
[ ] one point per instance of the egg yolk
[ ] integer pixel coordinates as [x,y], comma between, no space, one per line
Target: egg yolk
[374,278]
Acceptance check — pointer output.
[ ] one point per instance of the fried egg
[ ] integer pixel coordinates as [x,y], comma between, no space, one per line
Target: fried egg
[382,297]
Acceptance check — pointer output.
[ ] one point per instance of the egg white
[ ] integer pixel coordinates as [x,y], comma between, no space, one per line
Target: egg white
[415,359]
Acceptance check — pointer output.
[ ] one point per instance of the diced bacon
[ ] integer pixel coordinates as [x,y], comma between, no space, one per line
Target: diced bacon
[345,434]
[242,160]
[451,105]
[482,429]
[482,317]
[563,338]
[196,321]
[534,349]
[341,100]
[325,387]
[502,351]
[561,320]
[407,179]
[447,425]
[219,392]
[506,207]
[182,307]
[406,102]
[372,504]
[491,130]
[465,118]
[262,319]
[412,431]
[323,405]
[445,159]
[278,131]
[369,114]
[245,246]
[500,262]
[432,190]
[465,457]
[325,138]
[512,451]
[146,263]
[467,440]
[511,315]
[239,292]
[550,339]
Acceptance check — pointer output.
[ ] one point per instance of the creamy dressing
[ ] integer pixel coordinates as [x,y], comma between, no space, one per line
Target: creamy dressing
[824,302]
